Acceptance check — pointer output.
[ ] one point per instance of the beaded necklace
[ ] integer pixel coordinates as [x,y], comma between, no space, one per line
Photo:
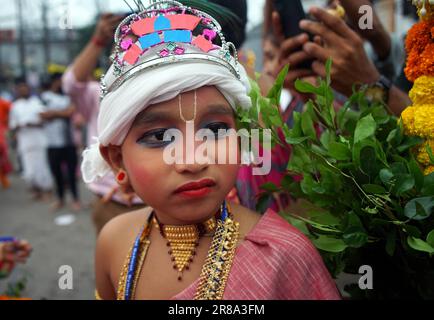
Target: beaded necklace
[214,272]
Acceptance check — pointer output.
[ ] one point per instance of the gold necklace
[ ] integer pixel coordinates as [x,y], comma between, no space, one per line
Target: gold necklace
[215,271]
[183,241]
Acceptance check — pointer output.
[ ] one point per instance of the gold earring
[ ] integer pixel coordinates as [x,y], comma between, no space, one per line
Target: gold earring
[180,107]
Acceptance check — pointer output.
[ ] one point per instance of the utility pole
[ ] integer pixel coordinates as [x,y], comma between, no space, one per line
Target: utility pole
[46,33]
[21,43]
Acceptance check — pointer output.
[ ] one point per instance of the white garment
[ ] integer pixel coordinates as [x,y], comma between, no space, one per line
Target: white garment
[26,112]
[57,130]
[32,142]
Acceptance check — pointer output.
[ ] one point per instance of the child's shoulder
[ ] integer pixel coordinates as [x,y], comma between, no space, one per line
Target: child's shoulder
[123,229]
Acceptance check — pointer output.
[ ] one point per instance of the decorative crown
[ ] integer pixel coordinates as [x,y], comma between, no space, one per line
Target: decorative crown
[163,33]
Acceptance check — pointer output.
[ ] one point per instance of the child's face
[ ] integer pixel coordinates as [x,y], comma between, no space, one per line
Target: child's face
[156,182]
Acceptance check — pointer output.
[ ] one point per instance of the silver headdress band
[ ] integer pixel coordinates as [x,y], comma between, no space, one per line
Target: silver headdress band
[162,34]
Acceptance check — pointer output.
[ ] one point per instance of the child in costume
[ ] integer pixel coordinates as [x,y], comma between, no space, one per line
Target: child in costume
[169,74]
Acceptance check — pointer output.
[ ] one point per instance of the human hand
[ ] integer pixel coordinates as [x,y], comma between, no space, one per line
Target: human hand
[106,27]
[351,64]
[377,35]
[290,52]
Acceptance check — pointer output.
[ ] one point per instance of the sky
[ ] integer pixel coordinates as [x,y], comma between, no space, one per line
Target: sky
[81,12]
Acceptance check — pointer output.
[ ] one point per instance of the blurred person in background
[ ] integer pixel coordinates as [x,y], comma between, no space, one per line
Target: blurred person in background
[26,122]
[61,149]
[84,90]
[5,164]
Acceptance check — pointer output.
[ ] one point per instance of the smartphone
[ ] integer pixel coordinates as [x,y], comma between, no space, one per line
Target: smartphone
[291,13]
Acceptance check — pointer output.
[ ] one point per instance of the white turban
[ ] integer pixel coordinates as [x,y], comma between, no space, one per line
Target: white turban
[120,107]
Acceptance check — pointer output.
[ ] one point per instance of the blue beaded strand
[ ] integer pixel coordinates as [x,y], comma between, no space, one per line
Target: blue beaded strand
[132,266]
[224,213]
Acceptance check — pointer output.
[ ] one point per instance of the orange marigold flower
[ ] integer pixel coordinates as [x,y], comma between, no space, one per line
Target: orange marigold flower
[419,64]
[419,36]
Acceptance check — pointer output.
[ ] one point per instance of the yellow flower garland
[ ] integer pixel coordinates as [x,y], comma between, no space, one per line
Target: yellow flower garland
[419,121]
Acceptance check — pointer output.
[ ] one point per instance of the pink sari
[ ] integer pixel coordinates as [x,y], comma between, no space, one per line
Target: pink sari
[275,262]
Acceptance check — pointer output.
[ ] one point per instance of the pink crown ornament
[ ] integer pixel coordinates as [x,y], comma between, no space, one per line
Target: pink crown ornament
[163,33]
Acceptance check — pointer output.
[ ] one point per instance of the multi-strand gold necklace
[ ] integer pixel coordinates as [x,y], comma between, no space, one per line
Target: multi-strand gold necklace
[183,240]
[215,271]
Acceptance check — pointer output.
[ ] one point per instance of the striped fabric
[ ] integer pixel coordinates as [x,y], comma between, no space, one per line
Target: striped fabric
[275,262]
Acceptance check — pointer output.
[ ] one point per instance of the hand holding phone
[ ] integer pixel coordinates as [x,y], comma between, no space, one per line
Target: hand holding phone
[291,12]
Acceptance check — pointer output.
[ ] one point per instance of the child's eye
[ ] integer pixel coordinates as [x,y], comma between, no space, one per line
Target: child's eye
[220,129]
[155,138]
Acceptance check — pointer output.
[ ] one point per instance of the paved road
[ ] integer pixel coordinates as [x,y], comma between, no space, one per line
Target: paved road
[54,245]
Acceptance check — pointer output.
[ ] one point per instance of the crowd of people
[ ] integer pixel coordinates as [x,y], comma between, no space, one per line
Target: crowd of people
[47,125]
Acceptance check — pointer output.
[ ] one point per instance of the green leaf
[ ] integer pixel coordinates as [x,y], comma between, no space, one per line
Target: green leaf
[419,245]
[291,140]
[324,217]
[368,163]
[263,202]
[430,238]
[355,237]
[419,208]
[409,142]
[300,225]
[306,87]
[374,189]
[326,137]
[428,185]
[403,184]
[328,67]
[416,172]
[330,244]
[276,91]
[339,151]
[386,176]
[365,128]
[430,153]
[412,231]
[395,136]
[307,126]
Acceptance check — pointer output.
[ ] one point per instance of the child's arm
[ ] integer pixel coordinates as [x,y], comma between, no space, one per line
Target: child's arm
[104,286]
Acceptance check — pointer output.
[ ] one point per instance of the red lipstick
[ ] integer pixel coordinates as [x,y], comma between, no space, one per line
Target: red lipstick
[196,189]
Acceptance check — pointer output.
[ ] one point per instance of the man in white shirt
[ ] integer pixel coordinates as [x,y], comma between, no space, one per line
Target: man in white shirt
[25,120]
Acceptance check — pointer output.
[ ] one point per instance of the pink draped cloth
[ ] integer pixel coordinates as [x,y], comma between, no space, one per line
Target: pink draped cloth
[275,262]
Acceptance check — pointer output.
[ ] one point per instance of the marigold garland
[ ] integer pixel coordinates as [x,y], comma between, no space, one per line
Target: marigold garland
[418,119]
[423,91]
[420,63]
[419,36]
